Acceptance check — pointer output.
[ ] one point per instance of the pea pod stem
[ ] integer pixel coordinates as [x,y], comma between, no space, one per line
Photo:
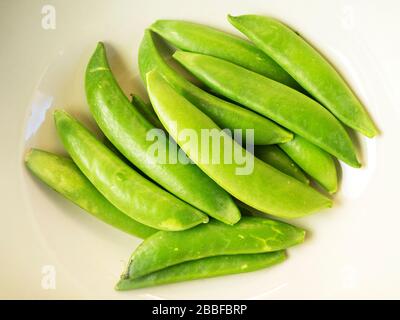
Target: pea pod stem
[62,175]
[225,114]
[307,67]
[282,196]
[286,106]
[249,235]
[128,130]
[205,268]
[127,190]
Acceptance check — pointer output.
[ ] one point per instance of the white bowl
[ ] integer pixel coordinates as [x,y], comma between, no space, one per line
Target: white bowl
[352,249]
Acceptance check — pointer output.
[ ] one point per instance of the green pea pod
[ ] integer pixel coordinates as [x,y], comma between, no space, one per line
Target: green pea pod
[308,67]
[134,195]
[314,161]
[286,106]
[203,39]
[249,235]
[128,130]
[62,175]
[253,181]
[146,110]
[275,157]
[225,114]
[205,268]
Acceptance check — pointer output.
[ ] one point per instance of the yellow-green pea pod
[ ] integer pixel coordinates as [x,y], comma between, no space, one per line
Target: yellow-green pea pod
[275,157]
[224,113]
[128,130]
[308,67]
[194,37]
[252,181]
[205,268]
[286,106]
[131,193]
[249,235]
[317,163]
[62,175]
[146,110]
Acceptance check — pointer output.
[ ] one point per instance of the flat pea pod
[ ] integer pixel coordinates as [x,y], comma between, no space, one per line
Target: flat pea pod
[128,130]
[308,67]
[194,37]
[255,183]
[146,110]
[225,114]
[249,235]
[275,157]
[317,163]
[205,268]
[134,195]
[288,107]
[62,175]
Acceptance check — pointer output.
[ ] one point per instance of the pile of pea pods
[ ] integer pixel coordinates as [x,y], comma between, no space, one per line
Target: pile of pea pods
[201,219]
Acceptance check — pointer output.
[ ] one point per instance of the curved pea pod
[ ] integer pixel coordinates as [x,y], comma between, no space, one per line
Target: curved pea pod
[249,235]
[128,130]
[62,175]
[275,157]
[242,175]
[225,114]
[203,39]
[308,67]
[146,110]
[314,161]
[205,268]
[288,107]
[134,195]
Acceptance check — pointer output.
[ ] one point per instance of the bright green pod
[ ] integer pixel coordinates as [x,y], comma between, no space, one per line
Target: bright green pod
[249,235]
[62,175]
[252,181]
[275,157]
[205,268]
[134,195]
[129,132]
[194,37]
[286,106]
[146,110]
[225,114]
[317,163]
[308,67]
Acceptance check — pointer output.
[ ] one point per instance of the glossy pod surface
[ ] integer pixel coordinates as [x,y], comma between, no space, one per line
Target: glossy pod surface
[146,110]
[274,100]
[262,186]
[205,268]
[189,36]
[62,175]
[128,130]
[134,195]
[314,161]
[249,235]
[308,67]
[225,114]
[275,157]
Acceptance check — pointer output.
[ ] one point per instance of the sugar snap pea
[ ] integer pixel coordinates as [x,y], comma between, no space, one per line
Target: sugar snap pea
[314,161]
[286,106]
[308,67]
[249,235]
[146,110]
[134,195]
[128,130]
[62,175]
[262,187]
[225,114]
[205,268]
[199,38]
[275,157]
